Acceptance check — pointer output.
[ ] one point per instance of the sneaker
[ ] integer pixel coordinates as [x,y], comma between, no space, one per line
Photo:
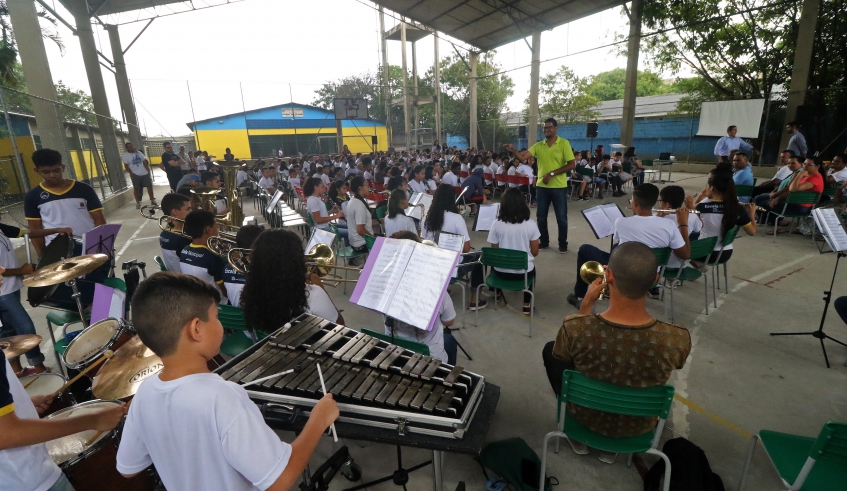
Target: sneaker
[654,292]
[618,194]
[583,198]
[527,310]
[542,247]
[575,301]
[137,205]
[563,250]
[153,202]
[478,305]
[600,196]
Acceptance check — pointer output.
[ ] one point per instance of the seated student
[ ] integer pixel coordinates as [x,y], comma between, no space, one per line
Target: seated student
[200,431]
[673,198]
[475,183]
[642,227]
[268,181]
[294,176]
[442,345]
[191,179]
[174,241]
[837,172]
[443,216]
[392,173]
[719,213]
[416,180]
[277,259]
[193,199]
[645,350]
[196,258]
[514,229]
[809,179]
[524,169]
[314,189]
[338,195]
[396,220]
[234,280]
[212,179]
[451,177]
[359,220]
[596,179]
[429,179]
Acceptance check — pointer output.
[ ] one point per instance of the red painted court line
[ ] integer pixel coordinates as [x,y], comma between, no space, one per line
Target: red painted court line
[751,281]
[783,277]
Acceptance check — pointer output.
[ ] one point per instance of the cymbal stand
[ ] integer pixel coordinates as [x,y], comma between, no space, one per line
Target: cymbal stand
[75,296]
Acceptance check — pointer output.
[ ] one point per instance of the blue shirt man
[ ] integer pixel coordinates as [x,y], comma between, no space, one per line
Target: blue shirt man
[729,143]
[743,175]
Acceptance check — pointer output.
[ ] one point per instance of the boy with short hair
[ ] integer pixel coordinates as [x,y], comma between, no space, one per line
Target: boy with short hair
[196,259]
[200,431]
[174,241]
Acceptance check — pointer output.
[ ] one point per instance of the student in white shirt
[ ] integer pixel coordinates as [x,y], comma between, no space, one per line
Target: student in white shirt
[429,180]
[720,213]
[268,181]
[443,216]
[294,177]
[325,175]
[442,345]
[359,221]
[314,189]
[212,180]
[396,220]
[672,198]
[451,177]
[514,229]
[200,431]
[642,227]
[525,170]
[416,182]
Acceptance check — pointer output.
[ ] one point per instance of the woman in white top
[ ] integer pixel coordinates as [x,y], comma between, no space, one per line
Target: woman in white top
[397,219]
[277,259]
[443,216]
[416,181]
[359,221]
[429,179]
[314,189]
[514,229]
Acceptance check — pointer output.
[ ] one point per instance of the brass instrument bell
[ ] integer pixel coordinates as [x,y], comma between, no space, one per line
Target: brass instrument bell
[592,270]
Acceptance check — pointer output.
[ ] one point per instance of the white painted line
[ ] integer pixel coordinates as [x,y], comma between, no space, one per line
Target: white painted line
[123,249]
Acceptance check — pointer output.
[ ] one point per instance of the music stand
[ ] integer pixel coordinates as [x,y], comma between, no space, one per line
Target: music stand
[101,240]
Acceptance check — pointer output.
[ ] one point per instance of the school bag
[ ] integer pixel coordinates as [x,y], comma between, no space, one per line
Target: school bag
[690,470]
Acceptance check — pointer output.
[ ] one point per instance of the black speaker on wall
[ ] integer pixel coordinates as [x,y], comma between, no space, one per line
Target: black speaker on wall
[591,130]
[373,139]
[521,131]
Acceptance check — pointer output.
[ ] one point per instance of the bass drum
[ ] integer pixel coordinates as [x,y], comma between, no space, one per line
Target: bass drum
[62,246]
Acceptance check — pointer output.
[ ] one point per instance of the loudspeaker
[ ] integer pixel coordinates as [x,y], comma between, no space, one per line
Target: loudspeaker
[521,131]
[373,139]
[591,130]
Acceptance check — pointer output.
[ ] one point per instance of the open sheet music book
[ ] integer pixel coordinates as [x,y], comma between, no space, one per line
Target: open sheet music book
[274,200]
[320,236]
[830,226]
[486,216]
[406,280]
[414,210]
[602,219]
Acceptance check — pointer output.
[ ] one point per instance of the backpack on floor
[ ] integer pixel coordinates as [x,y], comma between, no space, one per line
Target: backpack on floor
[515,463]
[690,470]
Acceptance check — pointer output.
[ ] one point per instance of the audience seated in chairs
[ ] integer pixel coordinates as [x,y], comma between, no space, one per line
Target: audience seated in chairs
[646,350]
[809,179]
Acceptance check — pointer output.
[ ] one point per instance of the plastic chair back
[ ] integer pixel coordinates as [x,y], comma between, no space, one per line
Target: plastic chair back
[160,262]
[730,236]
[497,257]
[463,174]
[744,191]
[830,191]
[703,247]
[616,399]
[521,180]
[647,163]
[369,241]
[115,283]
[663,255]
[488,177]
[231,318]
[381,212]
[627,167]
[585,171]
[831,443]
[501,179]
[802,198]
[403,343]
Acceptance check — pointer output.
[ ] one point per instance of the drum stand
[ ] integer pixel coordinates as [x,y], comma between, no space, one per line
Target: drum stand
[75,296]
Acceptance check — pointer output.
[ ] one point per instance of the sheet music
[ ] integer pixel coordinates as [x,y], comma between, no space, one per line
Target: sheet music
[426,201]
[451,242]
[320,236]
[388,270]
[274,200]
[830,226]
[612,212]
[421,286]
[414,210]
[486,216]
[599,221]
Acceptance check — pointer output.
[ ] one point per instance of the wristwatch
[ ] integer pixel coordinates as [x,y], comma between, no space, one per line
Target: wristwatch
[552,174]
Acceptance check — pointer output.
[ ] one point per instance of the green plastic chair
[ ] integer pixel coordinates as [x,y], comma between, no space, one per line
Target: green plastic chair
[744,191]
[663,255]
[584,174]
[346,253]
[602,396]
[804,463]
[716,275]
[403,343]
[799,198]
[699,248]
[830,191]
[495,257]
[161,263]
[232,319]
[369,241]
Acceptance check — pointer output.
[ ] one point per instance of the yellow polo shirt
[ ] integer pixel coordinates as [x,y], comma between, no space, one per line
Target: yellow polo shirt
[550,159]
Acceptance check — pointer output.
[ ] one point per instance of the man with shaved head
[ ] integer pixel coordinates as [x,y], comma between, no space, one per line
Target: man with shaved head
[623,345]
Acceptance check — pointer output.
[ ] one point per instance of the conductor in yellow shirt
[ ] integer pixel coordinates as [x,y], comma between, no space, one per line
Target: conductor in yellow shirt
[555,159]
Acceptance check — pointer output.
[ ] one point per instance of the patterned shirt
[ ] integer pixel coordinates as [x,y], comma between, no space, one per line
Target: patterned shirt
[630,356]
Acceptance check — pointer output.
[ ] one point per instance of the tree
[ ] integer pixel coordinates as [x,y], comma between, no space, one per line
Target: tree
[610,86]
[78,99]
[564,95]
[8,48]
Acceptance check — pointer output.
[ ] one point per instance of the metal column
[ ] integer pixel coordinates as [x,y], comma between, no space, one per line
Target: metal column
[802,64]
[415,111]
[532,117]
[37,74]
[630,91]
[405,88]
[474,130]
[124,91]
[437,75]
[98,95]
[386,77]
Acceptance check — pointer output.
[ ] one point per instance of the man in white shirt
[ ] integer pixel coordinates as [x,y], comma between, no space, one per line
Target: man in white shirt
[837,173]
[783,172]
[451,177]
[135,162]
[729,143]
[653,231]
[241,176]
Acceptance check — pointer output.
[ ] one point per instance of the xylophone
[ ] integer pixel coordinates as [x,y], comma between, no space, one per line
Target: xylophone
[375,383]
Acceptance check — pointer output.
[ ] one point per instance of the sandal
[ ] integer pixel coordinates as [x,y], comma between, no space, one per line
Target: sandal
[578,448]
[527,310]
[607,457]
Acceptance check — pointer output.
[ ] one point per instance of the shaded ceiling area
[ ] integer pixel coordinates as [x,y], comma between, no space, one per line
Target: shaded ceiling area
[488,24]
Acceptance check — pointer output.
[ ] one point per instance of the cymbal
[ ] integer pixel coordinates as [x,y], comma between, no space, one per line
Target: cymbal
[66,269]
[121,375]
[14,346]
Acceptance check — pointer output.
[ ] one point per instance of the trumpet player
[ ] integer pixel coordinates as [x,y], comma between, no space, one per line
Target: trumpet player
[233,279]
[653,231]
[173,241]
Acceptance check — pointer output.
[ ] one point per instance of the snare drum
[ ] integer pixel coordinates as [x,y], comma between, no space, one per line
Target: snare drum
[45,384]
[93,341]
[90,468]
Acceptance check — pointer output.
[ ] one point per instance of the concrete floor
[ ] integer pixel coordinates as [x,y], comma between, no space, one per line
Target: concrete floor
[737,380]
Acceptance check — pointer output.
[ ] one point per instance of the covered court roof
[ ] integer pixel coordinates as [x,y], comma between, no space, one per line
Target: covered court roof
[488,24]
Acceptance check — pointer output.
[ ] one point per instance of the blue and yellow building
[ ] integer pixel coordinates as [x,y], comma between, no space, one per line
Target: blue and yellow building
[295,128]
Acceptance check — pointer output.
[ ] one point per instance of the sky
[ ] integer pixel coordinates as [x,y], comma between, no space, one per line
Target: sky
[258,53]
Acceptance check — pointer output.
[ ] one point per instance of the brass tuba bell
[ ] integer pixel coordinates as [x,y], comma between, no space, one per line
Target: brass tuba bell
[592,270]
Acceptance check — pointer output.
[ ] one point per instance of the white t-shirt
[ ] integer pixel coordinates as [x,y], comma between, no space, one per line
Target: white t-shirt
[201,432]
[357,214]
[451,179]
[135,162]
[319,303]
[368,176]
[782,173]
[651,231]
[27,468]
[8,260]
[417,187]
[515,236]
[399,223]
[840,176]
[453,224]
[266,182]
[526,171]
[326,180]
[240,177]
[434,338]
[431,185]
[695,225]
[313,204]
[294,181]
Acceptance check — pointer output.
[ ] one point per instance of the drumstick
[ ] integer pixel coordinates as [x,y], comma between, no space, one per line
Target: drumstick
[323,387]
[97,435]
[280,374]
[108,354]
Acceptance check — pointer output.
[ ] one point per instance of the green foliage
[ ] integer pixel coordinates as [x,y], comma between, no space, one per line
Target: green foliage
[564,95]
[8,48]
[609,86]
[21,103]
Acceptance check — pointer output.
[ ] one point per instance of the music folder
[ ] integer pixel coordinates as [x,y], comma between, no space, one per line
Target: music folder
[830,227]
[415,202]
[486,216]
[602,219]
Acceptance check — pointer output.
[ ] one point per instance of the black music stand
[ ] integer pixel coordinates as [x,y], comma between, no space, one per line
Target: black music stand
[400,476]
[819,334]
[319,481]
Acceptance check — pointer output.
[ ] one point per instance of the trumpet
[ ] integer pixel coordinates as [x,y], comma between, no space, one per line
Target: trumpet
[592,270]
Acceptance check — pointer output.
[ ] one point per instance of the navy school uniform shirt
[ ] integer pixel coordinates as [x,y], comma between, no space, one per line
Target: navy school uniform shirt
[233,283]
[172,245]
[199,261]
[69,208]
